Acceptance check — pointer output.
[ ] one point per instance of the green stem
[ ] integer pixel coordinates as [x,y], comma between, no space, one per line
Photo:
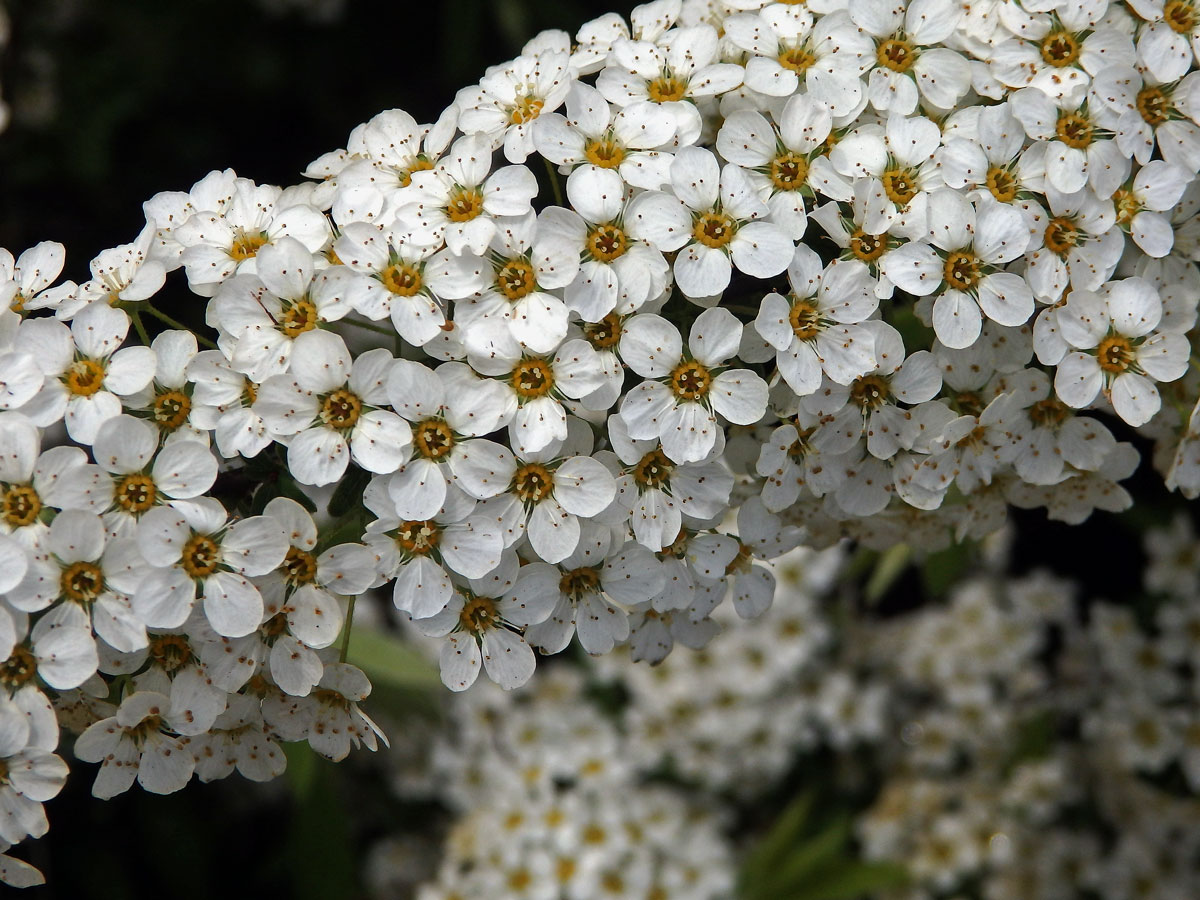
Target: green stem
[175,323]
[139,327]
[346,632]
[378,329]
[555,186]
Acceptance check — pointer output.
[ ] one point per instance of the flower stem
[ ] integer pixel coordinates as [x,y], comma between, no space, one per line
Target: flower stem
[346,633]
[175,323]
[139,327]
[554,184]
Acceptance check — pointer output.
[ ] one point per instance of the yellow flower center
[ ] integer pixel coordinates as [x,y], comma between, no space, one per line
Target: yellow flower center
[870,392]
[1048,413]
[465,204]
[418,537]
[298,318]
[341,409]
[788,171]
[249,393]
[606,242]
[20,505]
[666,88]
[605,334]
[246,245]
[527,109]
[478,615]
[1127,205]
[135,493]
[690,380]
[867,247]
[798,59]
[961,271]
[653,470]
[85,377]
[604,152]
[578,582]
[402,279]
[805,320]
[897,54]
[532,378]
[1180,16]
[1153,105]
[433,438]
[170,651]
[82,582]
[714,229]
[421,164]
[1061,236]
[19,669]
[1115,354]
[516,279]
[533,482]
[900,185]
[299,567]
[171,409]
[1002,184]
[1074,130]
[1059,48]
[201,556]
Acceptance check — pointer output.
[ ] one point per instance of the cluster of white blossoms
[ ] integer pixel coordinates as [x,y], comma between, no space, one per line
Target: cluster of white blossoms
[783,273]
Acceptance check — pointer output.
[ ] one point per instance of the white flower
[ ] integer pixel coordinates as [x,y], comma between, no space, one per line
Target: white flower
[238,740]
[816,328]
[33,774]
[122,274]
[481,624]
[328,404]
[975,243]
[591,590]
[84,370]
[1078,246]
[23,283]
[761,535]
[1141,205]
[457,201]
[132,744]
[709,220]
[680,406]
[510,99]
[191,546]
[591,135]
[223,401]
[1119,352]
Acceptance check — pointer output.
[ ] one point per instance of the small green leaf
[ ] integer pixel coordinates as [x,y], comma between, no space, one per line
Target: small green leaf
[941,570]
[888,568]
[849,882]
[387,660]
[349,492]
[779,841]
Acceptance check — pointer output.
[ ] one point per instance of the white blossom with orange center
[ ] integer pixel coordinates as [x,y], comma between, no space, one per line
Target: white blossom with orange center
[481,625]
[965,271]
[616,271]
[457,200]
[816,329]
[219,243]
[448,409]
[331,405]
[715,220]
[826,57]
[681,66]
[508,101]
[286,297]
[1078,246]
[24,281]
[195,551]
[133,743]
[85,372]
[592,134]
[1079,149]
[124,274]
[527,263]
[679,406]
[1118,350]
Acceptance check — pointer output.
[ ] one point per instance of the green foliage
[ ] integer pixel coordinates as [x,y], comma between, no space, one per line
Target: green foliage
[801,858]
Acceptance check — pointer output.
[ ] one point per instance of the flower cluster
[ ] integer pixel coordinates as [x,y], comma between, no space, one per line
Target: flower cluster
[791,273]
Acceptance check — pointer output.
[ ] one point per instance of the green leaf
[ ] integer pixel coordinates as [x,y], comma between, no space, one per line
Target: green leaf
[943,569]
[349,492]
[890,566]
[389,661]
[779,841]
[855,879]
